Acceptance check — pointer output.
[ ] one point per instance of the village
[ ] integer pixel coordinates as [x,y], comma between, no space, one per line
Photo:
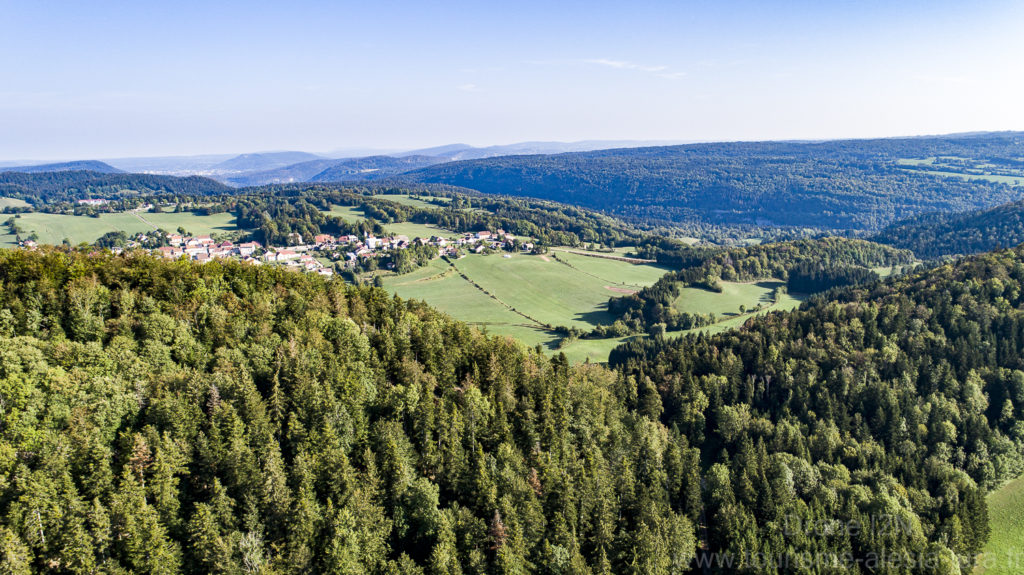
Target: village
[348,250]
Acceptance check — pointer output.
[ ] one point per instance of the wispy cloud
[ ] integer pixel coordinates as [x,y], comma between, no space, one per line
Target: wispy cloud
[468,87]
[660,71]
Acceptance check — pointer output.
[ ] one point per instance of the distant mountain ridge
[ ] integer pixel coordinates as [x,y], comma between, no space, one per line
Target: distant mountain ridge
[347,169]
[839,184]
[263,161]
[373,167]
[169,165]
[455,152]
[384,165]
[71,185]
[81,165]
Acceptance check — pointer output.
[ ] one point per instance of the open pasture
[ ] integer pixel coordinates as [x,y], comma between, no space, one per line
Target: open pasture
[410,229]
[55,228]
[440,285]
[727,303]
[12,203]
[1004,553]
[515,296]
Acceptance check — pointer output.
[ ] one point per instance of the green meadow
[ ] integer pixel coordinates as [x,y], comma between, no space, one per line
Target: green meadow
[55,228]
[1004,553]
[12,203]
[410,229]
[976,170]
[543,288]
[516,296]
[727,303]
[415,201]
[513,296]
[613,272]
[440,285]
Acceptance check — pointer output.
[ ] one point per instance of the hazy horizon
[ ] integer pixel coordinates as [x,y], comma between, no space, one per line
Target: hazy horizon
[341,153]
[115,79]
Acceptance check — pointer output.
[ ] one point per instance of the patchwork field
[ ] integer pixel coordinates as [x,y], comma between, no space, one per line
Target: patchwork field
[415,201]
[598,349]
[1004,553]
[12,203]
[966,168]
[549,291]
[513,296]
[410,229]
[440,285]
[54,228]
[516,296]
[613,272]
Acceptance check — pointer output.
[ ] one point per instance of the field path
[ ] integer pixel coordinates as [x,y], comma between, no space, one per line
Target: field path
[607,256]
[595,276]
[537,323]
[145,221]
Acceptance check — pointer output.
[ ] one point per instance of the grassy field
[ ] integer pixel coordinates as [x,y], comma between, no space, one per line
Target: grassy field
[1010,180]
[54,228]
[417,201]
[597,350]
[410,229]
[613,272]
[786,302]
[1004,553]
[350,213]
[544,289]
[12,203]
[977,170]
[443,288]
[727,304]
[515,296]
[593,350]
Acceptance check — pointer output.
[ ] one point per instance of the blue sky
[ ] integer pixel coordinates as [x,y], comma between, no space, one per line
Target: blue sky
[106,79]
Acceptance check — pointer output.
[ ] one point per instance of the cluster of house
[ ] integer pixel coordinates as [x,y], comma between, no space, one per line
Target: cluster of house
[499,240]
[300,256]
[373,246]
[204,248]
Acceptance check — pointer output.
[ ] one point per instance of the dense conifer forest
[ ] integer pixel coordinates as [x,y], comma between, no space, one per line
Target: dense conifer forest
[808,266]
[936,234]
[170,417]
[72,185]
[901,399]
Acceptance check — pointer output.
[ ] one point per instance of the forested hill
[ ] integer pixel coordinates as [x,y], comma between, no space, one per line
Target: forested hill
[860,184]
[83,165]
[902,399]
[330,170]
[373,167]
[48,187]
[168,417]
[935,235]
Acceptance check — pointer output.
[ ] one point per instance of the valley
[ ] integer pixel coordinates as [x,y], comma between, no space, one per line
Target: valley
[532,288]
[753,355]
